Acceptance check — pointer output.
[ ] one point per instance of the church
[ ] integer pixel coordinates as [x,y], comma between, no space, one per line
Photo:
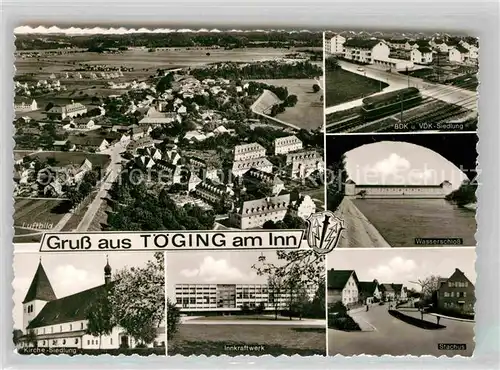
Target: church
[51,322]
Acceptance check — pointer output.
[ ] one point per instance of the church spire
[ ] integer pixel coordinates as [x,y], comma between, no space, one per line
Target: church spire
[107,271]
[40,287]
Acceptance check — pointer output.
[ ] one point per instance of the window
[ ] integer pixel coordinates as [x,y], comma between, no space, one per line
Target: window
[88,342]
[76,340]
[450,284]
[465,294]
[60,328]
[70,327]
[54,342]
[64,341]
[81,326]
[446,294]
[110,340]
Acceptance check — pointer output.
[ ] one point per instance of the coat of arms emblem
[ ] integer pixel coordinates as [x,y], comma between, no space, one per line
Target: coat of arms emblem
[323,231]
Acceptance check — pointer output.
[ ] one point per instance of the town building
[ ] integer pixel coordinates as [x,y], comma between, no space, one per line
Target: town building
[143,142]
[92,143]
[458,54]
[303,206]
[388,292]
[369,292]
[213,193]
[399,44]
[241,167]
[227,298]
[254,213]
[266,177]
[247,152]
[366,50]
[25,105]
[62,322]
[70,110]
[336,44]
[397,191]
[303,163]
[342,286]
[287,144]
[421,55]
[441,45]
[456,293]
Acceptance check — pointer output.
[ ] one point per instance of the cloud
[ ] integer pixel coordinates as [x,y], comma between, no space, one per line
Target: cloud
[397,269]
[212,270]
[67,279]
[391,165]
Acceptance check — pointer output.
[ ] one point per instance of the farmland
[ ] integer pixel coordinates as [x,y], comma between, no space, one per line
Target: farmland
[308,113]
[74,158]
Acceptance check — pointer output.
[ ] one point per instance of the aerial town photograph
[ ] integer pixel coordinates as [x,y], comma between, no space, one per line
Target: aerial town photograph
[403,190]
[395,81]
[167,131]
[93,304]
[245,303]
[401,302]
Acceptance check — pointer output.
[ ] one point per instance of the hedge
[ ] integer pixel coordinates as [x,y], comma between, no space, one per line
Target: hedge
[415,321]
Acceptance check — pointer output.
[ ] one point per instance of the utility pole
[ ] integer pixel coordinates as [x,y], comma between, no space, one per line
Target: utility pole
[401,98]
[408,74]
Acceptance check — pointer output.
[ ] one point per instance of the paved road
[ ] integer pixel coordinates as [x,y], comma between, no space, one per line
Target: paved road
[113,170]
[396,81]
[392,336]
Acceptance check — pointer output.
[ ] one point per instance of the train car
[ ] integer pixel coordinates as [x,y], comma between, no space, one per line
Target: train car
[382,105]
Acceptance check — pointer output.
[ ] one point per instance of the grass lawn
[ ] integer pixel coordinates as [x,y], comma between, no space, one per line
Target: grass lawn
[241,317]
[75,158]
[47,211]
[308,113]
[268,339]
[342,115]
[343,86]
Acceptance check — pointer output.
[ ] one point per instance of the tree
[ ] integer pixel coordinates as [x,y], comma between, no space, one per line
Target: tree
[260,308]
[269,224]
[16,335]
[276,288]
[173,319]
[428,286]
[49,106]
[301,301]
[99,316]
[245,308]
[32,338]
[316,88]
[138,298]
[291,100]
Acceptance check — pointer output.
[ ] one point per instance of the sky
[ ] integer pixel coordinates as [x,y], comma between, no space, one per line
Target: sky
[400,163]
[401,266]
[214,268]
[67,273]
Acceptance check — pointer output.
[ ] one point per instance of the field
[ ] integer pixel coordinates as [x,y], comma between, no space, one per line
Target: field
[343,86]
[308,113]
[74,158]
[268,339]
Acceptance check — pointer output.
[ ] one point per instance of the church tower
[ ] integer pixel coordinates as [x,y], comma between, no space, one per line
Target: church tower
[39,293]
[107,272]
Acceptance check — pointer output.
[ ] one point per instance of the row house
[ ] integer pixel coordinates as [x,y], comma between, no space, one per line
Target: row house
[213,193]
[342,286]
[241,167]
[248,151]
[284,145]
[266,177]
[366,51]
[254,213]
[25,105]
[456,293]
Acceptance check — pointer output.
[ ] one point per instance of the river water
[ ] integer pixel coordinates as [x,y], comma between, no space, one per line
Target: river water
[400,221]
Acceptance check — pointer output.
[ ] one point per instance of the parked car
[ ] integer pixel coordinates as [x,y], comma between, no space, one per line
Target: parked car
[361,69]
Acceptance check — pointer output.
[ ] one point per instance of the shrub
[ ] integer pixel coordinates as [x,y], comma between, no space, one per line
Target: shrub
[173,319]
[342,322]
[338,307]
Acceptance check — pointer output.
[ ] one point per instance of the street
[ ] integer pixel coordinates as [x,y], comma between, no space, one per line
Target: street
[391,336]
[112,173]
[396,81]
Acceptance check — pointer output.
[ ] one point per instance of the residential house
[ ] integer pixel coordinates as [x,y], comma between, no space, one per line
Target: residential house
[62,322]
[151,152]
[241,167]
[143,142]
[336,44]
[25,105]
[389,292]
[369,292]
[458,54]
[155,118]
[254,213]
[342,286]
[287,144]
[399,44]
[456,293]
[93,143]
[421,55]
[366,50]
[248,151]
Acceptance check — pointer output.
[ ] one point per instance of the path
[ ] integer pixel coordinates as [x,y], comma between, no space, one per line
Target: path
[112,173]
[359,232]
[392,336]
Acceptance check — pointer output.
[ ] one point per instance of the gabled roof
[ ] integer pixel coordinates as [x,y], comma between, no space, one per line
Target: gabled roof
[40,287]
[367,287]
[423,50]
[361,43]
[337,279]
[70,308]
[461,49]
